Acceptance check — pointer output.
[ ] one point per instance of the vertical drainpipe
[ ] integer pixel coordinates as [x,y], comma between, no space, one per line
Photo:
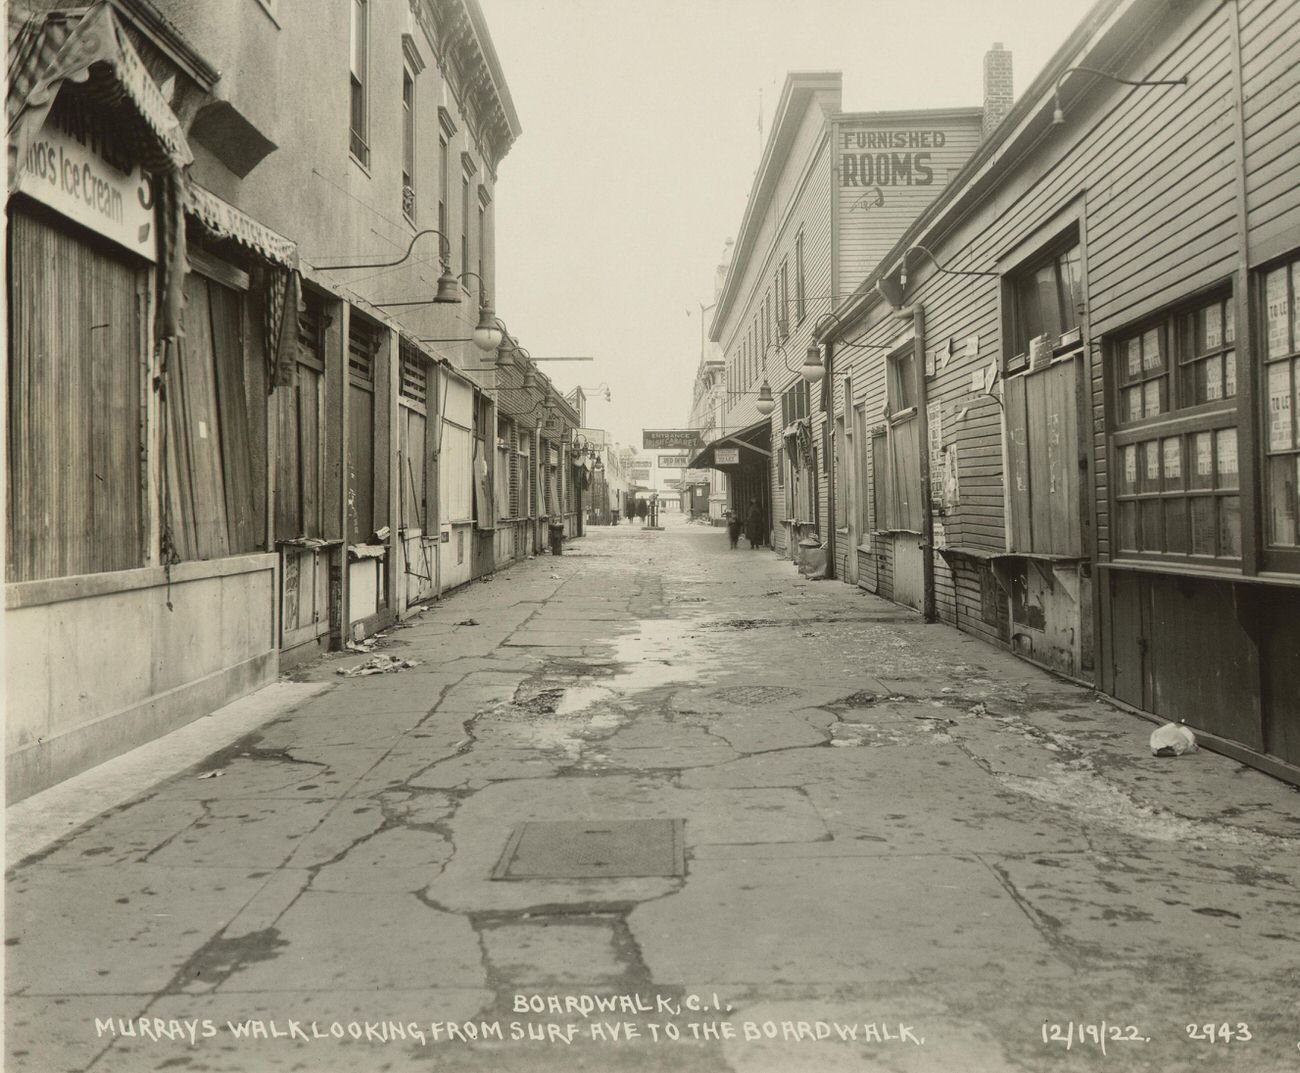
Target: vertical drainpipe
[928,605]
[829,418]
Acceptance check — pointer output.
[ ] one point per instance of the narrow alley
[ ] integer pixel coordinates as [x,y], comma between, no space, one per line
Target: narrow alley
[660,805]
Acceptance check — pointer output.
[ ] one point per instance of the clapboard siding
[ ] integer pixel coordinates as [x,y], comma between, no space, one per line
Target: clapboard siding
[1153,174]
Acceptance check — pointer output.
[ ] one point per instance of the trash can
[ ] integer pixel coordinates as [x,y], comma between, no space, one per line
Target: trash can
[556,529]
[812,557]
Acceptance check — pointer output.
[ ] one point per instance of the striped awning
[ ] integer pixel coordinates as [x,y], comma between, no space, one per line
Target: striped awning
[90,49]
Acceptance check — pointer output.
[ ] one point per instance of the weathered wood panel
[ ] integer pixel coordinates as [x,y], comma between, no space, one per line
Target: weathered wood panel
[74,419]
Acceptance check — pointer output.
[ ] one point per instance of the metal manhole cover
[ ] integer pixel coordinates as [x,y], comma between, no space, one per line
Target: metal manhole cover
[582,849]
[755,694]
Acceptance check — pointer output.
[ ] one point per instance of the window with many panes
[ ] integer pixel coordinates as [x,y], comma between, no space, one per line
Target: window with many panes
[782,299]
[1281,342]
[1175,445]
[1046,299]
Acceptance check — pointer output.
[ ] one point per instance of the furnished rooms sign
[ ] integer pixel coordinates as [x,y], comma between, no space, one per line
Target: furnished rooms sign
[888,168]
[682,439]
[75,167]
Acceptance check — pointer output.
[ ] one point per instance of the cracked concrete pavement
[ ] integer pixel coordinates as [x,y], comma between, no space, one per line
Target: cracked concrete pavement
[890,828]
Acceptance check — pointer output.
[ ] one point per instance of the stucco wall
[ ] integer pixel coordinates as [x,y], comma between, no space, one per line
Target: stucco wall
[98,664]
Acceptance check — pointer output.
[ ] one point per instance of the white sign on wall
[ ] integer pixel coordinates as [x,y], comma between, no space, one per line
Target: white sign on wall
[78,175]
[673,461]
[726,456]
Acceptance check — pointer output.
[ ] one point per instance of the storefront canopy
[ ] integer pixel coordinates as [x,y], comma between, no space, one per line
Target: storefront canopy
[753,442]
[89,48]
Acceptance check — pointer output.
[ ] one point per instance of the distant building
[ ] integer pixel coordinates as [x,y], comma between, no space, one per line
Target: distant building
[833,191]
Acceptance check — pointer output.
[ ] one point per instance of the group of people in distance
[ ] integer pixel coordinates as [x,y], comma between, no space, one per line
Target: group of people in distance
[753,526]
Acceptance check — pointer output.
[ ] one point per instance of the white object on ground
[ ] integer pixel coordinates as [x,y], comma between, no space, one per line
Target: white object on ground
[1172,739]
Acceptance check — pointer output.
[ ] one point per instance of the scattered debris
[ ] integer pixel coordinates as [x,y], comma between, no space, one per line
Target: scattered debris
[980,709]
[555,577]
[377,665]
[368,645]
[1172,739]
[468,622]
[212,774]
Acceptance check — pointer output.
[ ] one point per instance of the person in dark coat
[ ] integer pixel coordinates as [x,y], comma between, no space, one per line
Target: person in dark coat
[642,509]
[756,526]
[734,527]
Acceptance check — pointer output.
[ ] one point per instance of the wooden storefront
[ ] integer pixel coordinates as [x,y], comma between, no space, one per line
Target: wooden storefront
[1108,372]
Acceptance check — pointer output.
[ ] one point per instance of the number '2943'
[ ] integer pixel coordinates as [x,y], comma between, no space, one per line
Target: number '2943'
[1220,1033]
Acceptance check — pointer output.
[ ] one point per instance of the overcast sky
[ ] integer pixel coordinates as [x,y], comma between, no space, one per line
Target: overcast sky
[640,142]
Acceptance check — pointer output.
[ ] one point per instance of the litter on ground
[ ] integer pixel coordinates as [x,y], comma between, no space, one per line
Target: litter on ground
[377,665]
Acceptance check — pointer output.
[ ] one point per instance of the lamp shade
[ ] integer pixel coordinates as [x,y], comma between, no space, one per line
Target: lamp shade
[813,370]
[530,379]
[448,288]
[487,333]
[766,404]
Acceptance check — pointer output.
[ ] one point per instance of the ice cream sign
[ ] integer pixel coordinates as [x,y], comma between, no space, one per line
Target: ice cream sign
[72,168]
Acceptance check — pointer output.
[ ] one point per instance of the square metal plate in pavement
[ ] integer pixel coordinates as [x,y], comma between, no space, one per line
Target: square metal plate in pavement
[584,849]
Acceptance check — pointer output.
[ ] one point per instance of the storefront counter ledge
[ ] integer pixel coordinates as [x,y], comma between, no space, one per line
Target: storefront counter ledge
[98,664]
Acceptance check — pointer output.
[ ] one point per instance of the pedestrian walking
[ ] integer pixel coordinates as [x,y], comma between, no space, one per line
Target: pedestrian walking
[755,526]
[642,509]
[733,528]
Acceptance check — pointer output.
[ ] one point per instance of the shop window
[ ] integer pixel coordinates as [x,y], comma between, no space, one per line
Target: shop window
[1281,341]
[1045,297]
[1175,446]
[360,117]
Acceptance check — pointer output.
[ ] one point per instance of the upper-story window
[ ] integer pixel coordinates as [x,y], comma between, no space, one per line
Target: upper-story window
[408,143]
[1046,299]
[1281,345]
[1174,446]
[442,184]
[359,65]
[482,239]
[783,299]
[800,302]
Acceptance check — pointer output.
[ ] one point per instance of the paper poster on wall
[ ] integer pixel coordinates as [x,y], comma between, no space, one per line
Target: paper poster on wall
[1279,408]
[972,347]
[934,421]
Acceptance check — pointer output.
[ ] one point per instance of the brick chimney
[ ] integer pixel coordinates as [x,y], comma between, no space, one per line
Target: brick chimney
[998,92]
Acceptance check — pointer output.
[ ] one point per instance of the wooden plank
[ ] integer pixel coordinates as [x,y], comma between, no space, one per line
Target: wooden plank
[202,423]
[1019,491]
[361,464]
[226,311]
[288,461]
[309,404]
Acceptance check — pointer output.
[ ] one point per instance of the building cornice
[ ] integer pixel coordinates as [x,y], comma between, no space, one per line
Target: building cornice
[472,69]
[799,89]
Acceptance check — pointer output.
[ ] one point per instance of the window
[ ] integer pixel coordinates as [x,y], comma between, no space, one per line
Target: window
[482,240]
[1175,448]
[359,56]
[464,223]
[767,320]
[782,299]
[902,381]
[442,185]
[1281,341]
[408,143]
[800,302]
[795,403]
[1045,298]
